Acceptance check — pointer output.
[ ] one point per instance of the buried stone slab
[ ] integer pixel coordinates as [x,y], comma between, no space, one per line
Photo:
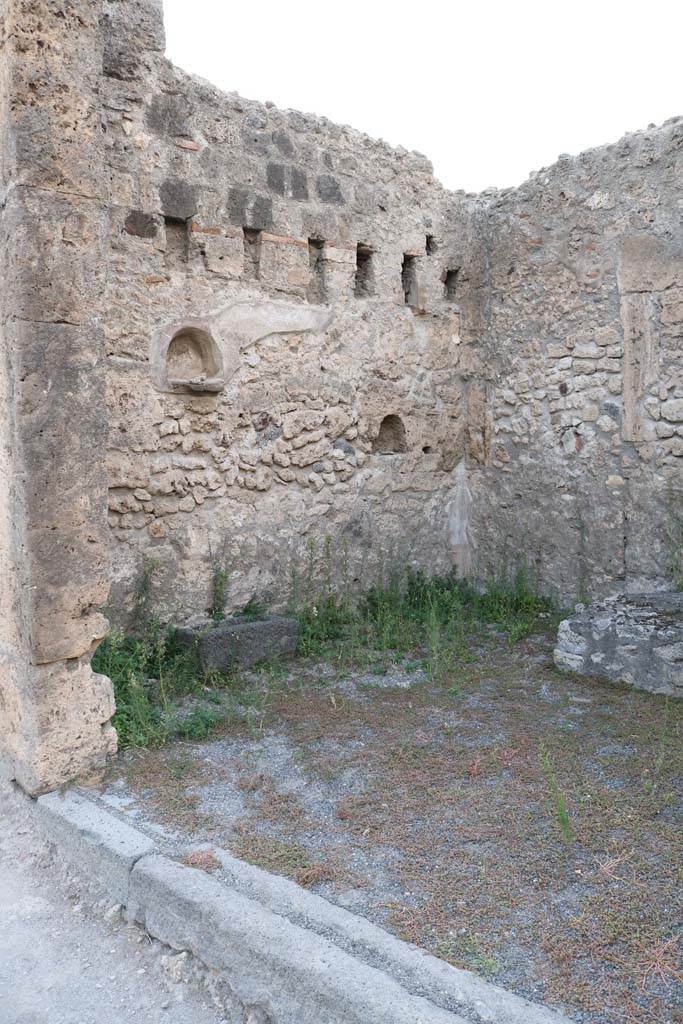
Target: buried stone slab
[631,638]
[240,642]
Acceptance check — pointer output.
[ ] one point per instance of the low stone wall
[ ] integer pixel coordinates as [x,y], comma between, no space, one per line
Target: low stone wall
[632,638]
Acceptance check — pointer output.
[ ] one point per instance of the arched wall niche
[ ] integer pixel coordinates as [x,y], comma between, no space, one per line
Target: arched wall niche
[192,358]
[391,438]
[187,358]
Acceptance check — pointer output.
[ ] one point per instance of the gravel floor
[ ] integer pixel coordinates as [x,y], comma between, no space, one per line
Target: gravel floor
[510,819]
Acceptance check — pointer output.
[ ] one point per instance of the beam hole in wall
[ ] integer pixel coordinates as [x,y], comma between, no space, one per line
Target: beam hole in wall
[391,437]
[316,287]
[193,361]
[427,449]
[364,284]
[450,284]
[252,253]
[431,245]
[409,280]
[177,239]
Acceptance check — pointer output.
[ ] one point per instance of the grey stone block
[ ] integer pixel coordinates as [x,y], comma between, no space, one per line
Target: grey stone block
[329,190]
[288,973]
[236,642]
[631,638]
[93,840]
[178,199]
[250,209]
[142,224]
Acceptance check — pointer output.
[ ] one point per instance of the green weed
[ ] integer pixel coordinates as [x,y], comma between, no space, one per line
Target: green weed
[674,533]
[558,798]
[253,610]
[149,672]
[198,724]
[143,594]
[219,592]
[411,612]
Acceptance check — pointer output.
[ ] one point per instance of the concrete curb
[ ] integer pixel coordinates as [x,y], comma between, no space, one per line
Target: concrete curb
[449,987]
[291,974]
[94,841]
[290,957]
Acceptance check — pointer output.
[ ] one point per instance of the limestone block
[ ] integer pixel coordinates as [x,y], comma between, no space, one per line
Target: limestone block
[303,419]
[93,840]
[63,729]
[311,453]
[299,975]
[632,638]
[641,364]
[648,264]
[224,254]
[285,263]
[673,410]
[58,268]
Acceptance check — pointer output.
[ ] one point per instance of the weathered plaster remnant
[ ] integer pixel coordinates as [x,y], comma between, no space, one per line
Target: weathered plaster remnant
[231,331]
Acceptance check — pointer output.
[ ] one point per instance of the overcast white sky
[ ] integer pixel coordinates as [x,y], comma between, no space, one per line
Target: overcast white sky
[489,91]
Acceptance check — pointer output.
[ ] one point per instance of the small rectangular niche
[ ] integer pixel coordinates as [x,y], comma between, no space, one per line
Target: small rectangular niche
[364,284]
[252,253]
[316,260]
[177,239]
[431,245]
[450,284]
[409,279]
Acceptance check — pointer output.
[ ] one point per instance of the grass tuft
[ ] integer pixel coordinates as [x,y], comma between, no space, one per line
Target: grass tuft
[413,612]
[558,798]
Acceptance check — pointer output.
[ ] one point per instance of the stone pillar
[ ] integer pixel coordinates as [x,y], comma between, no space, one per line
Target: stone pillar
[54,711]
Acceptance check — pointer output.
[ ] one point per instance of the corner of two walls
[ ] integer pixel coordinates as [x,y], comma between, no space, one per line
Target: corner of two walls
[283,244]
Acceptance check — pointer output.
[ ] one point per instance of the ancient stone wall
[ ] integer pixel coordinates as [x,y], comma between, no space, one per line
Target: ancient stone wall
[283,349]
[53,532]
[251,337]
[581,361]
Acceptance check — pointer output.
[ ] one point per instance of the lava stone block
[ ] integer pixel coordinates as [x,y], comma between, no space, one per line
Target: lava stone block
[241,642]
